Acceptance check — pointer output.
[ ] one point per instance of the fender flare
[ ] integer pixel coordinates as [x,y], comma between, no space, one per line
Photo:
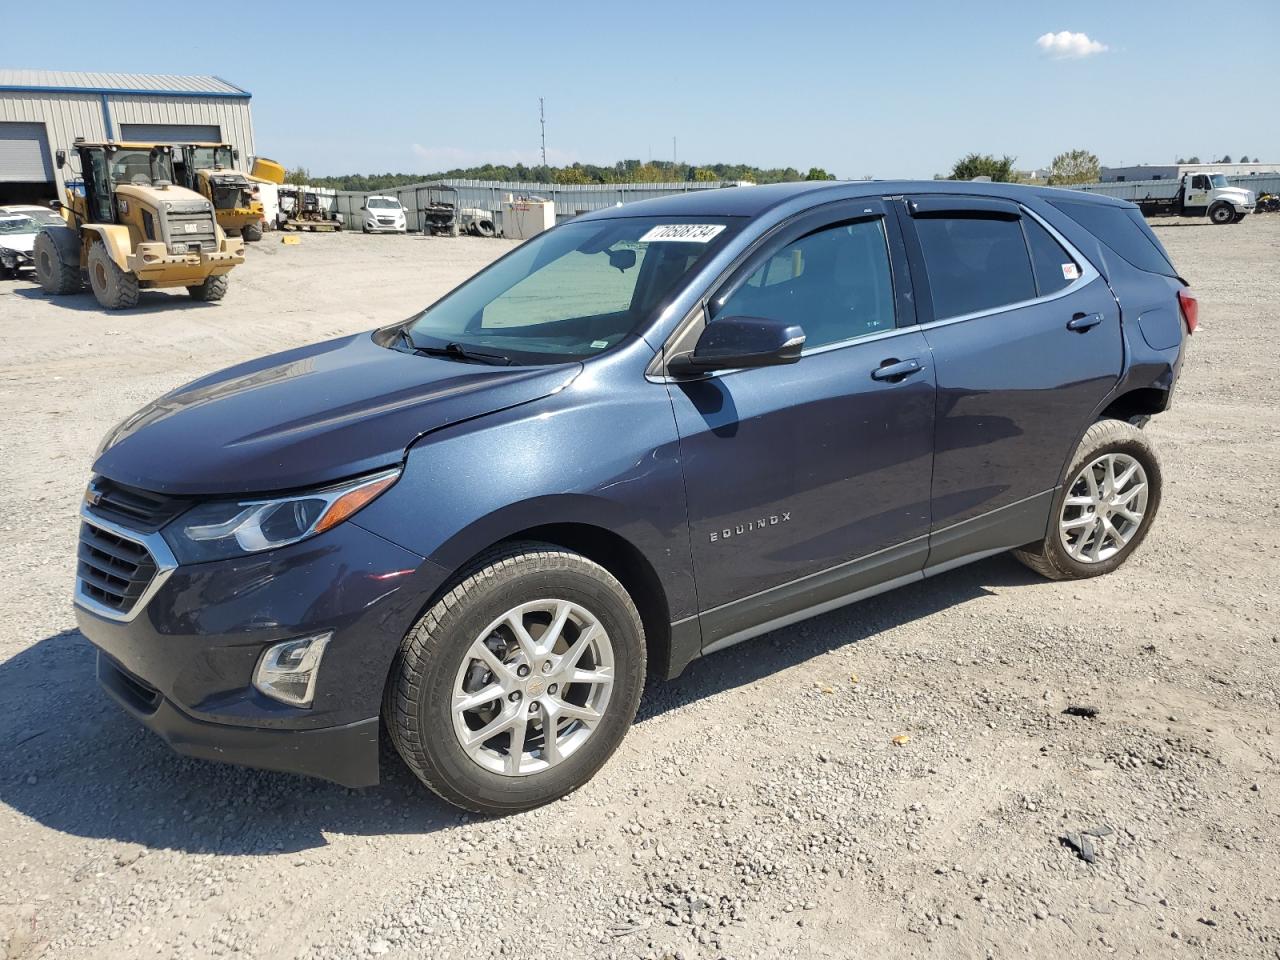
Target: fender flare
[116,239]
[66,241]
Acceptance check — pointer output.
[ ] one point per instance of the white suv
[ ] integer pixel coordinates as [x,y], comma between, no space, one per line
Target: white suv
[383,213]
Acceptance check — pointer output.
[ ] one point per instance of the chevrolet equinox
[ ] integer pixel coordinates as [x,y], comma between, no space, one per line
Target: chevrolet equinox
[646,435]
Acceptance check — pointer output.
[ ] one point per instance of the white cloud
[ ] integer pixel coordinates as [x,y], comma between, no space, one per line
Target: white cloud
[1067,45]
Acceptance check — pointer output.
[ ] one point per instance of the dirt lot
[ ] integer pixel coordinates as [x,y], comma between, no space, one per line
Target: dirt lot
[759,808]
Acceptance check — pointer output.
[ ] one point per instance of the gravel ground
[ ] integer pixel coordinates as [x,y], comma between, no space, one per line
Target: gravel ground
[761,806]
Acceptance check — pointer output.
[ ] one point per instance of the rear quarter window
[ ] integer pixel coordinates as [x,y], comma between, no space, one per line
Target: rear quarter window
[1123,230]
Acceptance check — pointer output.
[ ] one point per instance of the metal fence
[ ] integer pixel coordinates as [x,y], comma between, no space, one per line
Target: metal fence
[571,199]
[1127,189]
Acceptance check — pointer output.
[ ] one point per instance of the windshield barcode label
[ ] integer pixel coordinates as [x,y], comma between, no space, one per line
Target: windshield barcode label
[683,233]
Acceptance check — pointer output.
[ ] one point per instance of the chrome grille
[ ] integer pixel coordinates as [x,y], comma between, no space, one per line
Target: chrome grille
[113,570]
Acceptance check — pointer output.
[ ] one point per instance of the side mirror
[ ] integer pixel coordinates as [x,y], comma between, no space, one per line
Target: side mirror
[732,342]
[235,154]
[61,157]
[56,204]
[623,260]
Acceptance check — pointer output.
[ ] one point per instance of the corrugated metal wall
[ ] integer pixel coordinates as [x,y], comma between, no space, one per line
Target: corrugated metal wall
[571,199]
[70,115]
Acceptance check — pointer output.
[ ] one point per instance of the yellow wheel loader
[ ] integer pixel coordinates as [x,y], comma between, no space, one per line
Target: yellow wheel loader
[209,170]
[130,228]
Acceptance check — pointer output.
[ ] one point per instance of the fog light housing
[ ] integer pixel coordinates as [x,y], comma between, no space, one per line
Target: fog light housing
[287,671]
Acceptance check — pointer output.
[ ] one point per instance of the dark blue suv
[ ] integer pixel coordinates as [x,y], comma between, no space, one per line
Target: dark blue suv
[643,436]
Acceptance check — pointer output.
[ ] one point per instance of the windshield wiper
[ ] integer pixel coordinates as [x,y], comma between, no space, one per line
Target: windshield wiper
[455,351]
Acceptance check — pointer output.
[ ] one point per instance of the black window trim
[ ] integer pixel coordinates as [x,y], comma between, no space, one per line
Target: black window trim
[919,274]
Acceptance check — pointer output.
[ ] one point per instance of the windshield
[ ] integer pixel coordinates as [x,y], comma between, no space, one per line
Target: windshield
[383,203]
[141,167]
[12,225]
[206,158]
[1218,180]
[575,291]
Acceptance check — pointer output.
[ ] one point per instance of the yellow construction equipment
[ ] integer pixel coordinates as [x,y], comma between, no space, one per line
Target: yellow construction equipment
[129,227]
[209,170]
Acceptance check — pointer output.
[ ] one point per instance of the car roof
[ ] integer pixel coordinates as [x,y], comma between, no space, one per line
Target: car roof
[751,201]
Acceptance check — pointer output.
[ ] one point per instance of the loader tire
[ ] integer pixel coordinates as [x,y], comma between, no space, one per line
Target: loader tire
[252,233]
[115,289]
[214,288]
[56,276]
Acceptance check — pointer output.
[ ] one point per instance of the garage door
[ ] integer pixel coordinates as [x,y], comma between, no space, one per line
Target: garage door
[171,132]
[24,153]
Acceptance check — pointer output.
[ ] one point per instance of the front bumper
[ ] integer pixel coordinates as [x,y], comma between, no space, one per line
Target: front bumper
[16,260]
[152,262]
[183,662]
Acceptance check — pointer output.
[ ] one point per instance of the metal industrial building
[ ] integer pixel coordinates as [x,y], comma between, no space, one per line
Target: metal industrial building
[1174,171]
[42,111]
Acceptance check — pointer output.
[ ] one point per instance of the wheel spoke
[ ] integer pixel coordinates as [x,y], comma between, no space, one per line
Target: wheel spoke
[515,620]
[1078,522]
[515,752]
[481,652]
[1127,475]
[1109,477]
[469,701]
[553,632]
[1078,502]
[1134,518]
[489,730]
[550,740]
[1092,482]
[599,675]
[574,653]
[1095,548]
[572,711]
[1126,498]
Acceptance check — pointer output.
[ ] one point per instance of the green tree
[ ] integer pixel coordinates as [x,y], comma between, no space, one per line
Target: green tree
[1244,158]
[983,165]
[298,175]
[817,173]
[1226,158]
[1074,166]
[574,174]
[1193,159]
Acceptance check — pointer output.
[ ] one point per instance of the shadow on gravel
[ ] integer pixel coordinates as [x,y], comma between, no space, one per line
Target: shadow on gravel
[750,661]
[75,762]
[149,301]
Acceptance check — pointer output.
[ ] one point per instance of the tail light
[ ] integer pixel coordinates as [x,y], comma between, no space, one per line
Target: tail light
[1190,310]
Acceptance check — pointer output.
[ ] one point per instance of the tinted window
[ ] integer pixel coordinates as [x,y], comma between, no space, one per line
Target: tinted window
[1055,268]
[1124,231]
[835,283]
[974,263]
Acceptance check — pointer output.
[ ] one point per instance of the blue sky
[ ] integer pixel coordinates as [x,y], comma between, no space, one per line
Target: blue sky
[884,89]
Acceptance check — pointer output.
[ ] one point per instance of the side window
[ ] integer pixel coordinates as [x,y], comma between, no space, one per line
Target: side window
[1199,182]
[974,263]
[1123,230]
[1054,267]
[835,283]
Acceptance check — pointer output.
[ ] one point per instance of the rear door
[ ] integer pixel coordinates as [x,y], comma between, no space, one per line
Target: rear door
[809,482]
[1026,344]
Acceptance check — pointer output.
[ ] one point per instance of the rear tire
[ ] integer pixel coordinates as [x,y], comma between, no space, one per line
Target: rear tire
[1221,213]
[55,275]
[214,288]
[115,289]
[1091,536]
[252,233]
[465,644]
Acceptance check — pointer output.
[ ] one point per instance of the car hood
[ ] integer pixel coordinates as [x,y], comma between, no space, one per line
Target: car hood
[308,416]
[22,242]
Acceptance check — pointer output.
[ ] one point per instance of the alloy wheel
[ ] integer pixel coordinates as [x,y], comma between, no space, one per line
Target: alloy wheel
[533,687]
[1104,508]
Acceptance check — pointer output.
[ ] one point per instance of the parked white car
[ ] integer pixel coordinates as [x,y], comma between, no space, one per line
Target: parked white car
[44,216]
[17,238]
[383,214]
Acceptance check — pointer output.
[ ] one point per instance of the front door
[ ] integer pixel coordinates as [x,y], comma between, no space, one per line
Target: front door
[809,482]
[1026,342]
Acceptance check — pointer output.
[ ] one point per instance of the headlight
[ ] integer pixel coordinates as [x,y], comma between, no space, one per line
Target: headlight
[233,528]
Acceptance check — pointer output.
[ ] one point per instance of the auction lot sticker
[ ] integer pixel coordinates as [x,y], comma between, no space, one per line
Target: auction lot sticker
[683,233]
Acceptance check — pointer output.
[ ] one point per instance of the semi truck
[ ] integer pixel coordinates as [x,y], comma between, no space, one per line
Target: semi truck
[1194,195]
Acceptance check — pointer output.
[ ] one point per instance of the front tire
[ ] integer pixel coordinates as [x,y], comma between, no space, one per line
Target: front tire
[115,289]
[519,682]
[214,288]
[1104,510]
[252,233]
[1222,214]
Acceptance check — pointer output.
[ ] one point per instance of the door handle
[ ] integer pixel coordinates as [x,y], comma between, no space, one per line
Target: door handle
[1084,321]
[895,370]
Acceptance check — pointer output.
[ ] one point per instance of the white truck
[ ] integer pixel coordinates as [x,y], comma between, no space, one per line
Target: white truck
[1194,195]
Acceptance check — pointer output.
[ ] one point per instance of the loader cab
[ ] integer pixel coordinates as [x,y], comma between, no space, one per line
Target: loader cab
[191,158]
[105,166]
